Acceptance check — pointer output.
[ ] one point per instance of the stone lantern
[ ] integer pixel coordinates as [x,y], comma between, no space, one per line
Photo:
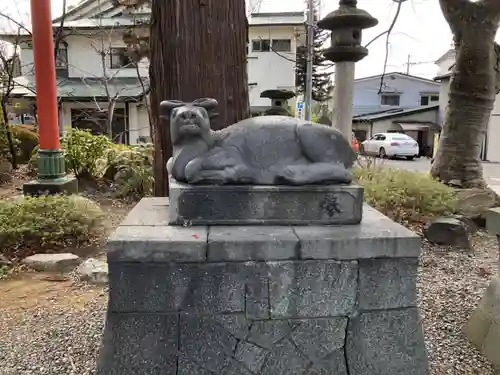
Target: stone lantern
[346,25]
[279,98]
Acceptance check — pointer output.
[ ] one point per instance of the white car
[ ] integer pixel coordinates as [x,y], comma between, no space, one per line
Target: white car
[391,145]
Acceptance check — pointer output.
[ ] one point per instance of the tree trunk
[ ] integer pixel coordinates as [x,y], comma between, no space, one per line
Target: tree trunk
[198,49]
[8,133]
[472,94]
[110,117]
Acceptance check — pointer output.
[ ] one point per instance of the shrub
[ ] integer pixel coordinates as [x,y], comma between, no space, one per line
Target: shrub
[47,221]
[82,151]
[130,169]
[4,144]
[27,140]
[405,196]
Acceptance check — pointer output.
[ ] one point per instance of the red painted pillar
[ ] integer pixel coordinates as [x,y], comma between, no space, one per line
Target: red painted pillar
[45,74]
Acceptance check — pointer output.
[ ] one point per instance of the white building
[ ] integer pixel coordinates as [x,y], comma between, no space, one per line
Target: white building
[393,90]
[490,150]
[92,65]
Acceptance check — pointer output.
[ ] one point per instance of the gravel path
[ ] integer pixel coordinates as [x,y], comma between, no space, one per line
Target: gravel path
[451,284]
[54,328]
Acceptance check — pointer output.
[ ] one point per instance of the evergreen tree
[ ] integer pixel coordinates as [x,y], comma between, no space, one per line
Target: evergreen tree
[186,63]
[321,81]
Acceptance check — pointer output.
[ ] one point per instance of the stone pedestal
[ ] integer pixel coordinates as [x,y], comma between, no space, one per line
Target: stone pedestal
[264,205]
[233,300]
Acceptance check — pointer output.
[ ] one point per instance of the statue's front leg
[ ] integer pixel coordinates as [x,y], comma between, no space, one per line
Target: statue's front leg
[193,168]
[237,174]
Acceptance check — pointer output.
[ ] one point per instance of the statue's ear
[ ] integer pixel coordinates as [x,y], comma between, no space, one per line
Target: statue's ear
[167,106]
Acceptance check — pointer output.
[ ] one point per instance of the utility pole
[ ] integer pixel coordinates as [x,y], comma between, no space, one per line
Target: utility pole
[408,63]
[310,53]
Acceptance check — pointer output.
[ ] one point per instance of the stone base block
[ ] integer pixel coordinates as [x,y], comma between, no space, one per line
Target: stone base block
[261,300]
[483,327]
[264,205]
[66,185]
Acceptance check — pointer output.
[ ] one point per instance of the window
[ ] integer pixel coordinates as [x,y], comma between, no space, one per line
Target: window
[261,45]
[61,56]
[118,58]
[389,99]
[428,99]
[282,45]
[378,137]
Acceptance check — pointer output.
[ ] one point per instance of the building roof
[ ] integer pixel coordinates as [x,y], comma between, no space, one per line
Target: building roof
[359,110]
[80,88]
[417,125]
[443,77]
[408,76]
[448,54]
[393,113]
[105,9]
[71,13]
[277,19]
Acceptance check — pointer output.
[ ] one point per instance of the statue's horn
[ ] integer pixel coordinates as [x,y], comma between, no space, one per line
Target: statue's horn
[207,103]
[166,106]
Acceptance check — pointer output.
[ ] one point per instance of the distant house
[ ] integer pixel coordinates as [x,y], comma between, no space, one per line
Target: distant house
[396,102]
[393,90]
[489,149]
[419,123]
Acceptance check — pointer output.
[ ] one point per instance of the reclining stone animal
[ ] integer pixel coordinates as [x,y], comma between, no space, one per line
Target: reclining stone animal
[265,150]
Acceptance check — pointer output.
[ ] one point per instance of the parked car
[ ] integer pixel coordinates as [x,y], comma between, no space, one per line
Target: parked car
[391,145]
[354,143]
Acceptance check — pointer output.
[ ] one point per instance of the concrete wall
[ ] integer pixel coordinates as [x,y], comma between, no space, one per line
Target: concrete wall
[270,70]
[447,61]
[138,122]
[493,151]
[84,59]
[444,98]
[366,91]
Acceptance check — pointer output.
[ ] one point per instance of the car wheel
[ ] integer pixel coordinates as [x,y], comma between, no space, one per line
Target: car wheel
[381,153]
[410,157]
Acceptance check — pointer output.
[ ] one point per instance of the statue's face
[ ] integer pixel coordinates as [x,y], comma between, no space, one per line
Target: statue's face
[188,122]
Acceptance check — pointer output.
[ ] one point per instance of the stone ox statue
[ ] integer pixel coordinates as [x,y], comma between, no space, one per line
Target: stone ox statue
[265,150]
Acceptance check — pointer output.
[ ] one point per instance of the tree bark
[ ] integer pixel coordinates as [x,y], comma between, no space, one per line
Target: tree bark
[198,49]
[8,132]
[473,90]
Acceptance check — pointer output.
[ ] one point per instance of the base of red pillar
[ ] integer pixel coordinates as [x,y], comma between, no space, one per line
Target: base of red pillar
[65,185]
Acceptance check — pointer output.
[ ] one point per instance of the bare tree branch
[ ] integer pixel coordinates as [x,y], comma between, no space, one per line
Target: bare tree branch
[388,35]
[17,23]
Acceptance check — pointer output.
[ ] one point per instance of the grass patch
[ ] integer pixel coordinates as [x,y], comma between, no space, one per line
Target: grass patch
[405,196]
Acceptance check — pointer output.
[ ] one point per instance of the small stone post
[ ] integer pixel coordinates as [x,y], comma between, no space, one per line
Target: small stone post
[346,24]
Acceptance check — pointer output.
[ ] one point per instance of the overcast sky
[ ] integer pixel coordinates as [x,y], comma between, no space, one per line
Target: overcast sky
[420,32]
